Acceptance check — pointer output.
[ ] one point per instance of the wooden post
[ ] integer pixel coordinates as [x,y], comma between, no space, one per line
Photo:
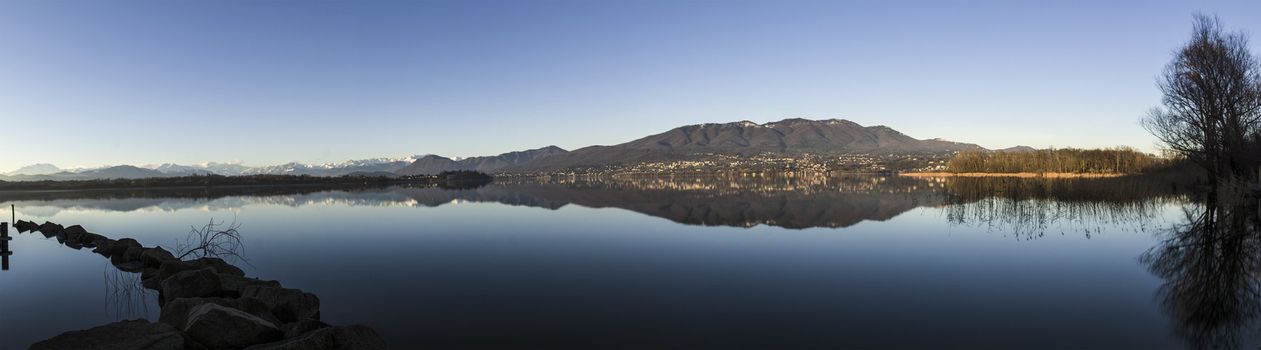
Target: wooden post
[4,246]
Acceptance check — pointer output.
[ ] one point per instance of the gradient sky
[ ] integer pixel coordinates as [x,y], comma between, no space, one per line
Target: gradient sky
[87,83]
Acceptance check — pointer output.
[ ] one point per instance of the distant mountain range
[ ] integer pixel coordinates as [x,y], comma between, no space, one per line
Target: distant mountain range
[432,164]
[787,137]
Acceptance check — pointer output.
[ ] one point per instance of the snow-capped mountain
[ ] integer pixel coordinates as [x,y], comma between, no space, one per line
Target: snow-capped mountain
[35,169]
[176,169]
[37,172]
[226,169]
[334,169]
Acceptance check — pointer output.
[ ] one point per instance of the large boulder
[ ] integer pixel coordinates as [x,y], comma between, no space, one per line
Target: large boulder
[50,229]
[301,327]
[155,257]
[289,305]
[103,247]
[218,327]
[201,283]
[176,312]
[236,284]
[130,266]
[206,282]
[24,226]
[134,334]
[340,337]
[75,233]
[132,253]
[173,267]
[130,260]
[92,240]
[120,247]
[70,244]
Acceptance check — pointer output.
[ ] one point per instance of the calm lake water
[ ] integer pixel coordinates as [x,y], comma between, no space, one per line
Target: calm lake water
[737,262]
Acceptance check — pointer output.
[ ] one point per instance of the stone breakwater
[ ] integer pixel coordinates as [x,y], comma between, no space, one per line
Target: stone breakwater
[206,303]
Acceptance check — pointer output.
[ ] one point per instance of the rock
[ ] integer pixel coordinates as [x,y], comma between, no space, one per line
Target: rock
[218,327]
[94,239]
[135,334]
[132,254]
[201,283]
[75,233]
[24,226]
[103,247]
[302,327]
[147,278]
[340,337]
[173,267]
[218,265]
[130,266]
[155,257]
[289,305]
[176,312]
[50,229]
[120,247]
[238,284]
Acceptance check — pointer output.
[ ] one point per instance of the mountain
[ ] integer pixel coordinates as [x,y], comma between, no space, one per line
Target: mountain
[177,170]
[1017,149]
[227,169]
[334,169]
[432,164]
[120,172]
[35,169]
[788,137]
[41,172]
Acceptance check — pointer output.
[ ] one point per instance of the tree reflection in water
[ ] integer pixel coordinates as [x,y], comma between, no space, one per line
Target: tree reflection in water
[1210,264]
[1029,208]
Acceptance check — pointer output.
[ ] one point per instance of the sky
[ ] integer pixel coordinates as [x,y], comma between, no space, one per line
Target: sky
[90,83]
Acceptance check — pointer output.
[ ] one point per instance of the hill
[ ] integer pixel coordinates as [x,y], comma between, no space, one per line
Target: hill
[431,164]
[787,137]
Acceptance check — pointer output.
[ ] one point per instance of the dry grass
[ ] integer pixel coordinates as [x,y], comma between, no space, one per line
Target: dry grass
[1023,175]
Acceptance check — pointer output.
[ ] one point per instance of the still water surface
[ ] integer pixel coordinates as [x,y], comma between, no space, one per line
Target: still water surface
[835,262]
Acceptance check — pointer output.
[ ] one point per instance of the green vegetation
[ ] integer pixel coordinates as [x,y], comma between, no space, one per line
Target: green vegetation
[1120,160]
[462,179]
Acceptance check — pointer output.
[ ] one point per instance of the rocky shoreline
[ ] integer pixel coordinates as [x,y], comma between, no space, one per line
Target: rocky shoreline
[206,303]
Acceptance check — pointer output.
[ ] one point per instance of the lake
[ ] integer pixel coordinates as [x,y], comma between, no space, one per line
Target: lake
[844,261]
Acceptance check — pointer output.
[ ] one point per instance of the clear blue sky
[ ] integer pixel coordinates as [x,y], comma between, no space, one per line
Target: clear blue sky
[87,83]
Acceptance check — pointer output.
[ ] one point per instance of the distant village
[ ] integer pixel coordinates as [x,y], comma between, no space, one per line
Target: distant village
[777,163]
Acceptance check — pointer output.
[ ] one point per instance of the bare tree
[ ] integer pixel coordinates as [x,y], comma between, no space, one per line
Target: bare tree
[215,239]
[1212,102]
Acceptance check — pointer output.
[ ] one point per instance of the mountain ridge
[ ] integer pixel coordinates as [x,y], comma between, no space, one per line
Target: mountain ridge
[792,136]
[788,136]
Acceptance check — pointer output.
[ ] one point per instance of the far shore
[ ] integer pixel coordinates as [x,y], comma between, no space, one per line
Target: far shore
[1025,175]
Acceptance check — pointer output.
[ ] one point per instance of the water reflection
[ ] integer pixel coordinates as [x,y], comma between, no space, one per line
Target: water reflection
[125,296]
[1027,208]
[1210,263]
[590,282]
[1022,206]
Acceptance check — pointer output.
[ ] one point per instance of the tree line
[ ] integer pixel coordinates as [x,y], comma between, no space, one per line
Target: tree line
[1119,160]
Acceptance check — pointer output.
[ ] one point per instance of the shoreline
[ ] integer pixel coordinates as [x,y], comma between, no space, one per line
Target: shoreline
[1019,175]
[204,303]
